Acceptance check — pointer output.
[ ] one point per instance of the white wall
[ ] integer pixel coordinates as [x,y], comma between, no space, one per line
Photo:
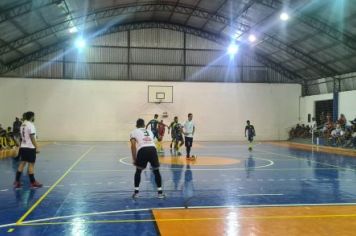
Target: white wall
[107,110]
[347,105]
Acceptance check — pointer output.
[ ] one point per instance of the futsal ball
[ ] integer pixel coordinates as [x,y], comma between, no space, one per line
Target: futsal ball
[194,156]
[250,148]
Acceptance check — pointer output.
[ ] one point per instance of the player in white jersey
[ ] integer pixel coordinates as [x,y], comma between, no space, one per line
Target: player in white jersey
[189,129]
[143,150]
[28,150]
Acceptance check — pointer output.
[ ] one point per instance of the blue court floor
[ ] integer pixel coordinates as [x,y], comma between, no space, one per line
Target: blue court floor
[88,186]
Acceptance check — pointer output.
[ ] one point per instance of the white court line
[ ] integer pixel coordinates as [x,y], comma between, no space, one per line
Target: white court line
[260,194]
[237,168]
[172,208]
[72,145]
[4,190]
[303,159]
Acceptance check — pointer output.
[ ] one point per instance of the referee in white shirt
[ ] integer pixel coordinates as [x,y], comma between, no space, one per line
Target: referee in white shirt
[189,129]
[28,150]
[143,150]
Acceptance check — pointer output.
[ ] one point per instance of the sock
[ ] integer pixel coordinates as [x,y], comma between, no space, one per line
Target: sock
[18,176]
[137,178]
[32,178]
[159,190]
[158,179]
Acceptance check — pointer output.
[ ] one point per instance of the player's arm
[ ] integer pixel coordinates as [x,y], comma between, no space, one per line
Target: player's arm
[169,127]
[193,130]
[149,123]
[133,149]
[254,132]
[245,130]
[34,142]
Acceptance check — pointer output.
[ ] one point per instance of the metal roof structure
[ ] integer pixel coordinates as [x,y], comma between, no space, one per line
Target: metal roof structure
[317,45]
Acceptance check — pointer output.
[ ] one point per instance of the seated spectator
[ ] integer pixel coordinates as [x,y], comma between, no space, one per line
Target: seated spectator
[3,143]
[10,140]
[337,132]
[298,130]
[342,121]
[307,132]
[328,127]
[292,133]
[353,133]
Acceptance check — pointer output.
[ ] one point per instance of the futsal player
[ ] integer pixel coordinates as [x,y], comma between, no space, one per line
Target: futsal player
[161,132]
[143,150]
[178,139]
[189,129]
[154,126]
[28,150]
[172,130]
[250,133]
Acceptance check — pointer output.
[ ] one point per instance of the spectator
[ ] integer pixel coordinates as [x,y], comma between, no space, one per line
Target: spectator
[337,132]
[3,143]
[342,121]
[328,127]
[16,127]
[353,133]
[10,137]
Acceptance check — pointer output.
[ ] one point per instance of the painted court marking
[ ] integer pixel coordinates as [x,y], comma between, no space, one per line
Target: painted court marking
[19,222]
[270,163]
[40,222]
[28,223]
[294,157]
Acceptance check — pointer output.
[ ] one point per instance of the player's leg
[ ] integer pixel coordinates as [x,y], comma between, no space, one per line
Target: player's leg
[153,159]
[250,146]
[188,144]
[31,175]
[17,183]
[141,163]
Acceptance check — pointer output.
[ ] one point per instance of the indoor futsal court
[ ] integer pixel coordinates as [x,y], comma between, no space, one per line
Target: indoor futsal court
[177,117]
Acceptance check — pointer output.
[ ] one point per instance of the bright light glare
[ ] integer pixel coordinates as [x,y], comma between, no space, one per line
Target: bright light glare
[73,30]
[252,38]
[284,16]
[80,43]
[232,49]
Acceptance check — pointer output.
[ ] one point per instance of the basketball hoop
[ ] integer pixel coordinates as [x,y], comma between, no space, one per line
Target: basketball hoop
[158,101]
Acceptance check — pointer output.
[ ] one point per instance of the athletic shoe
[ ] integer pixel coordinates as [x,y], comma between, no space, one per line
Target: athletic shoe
[135,195]
[36,185]
[161,196]
[17,185]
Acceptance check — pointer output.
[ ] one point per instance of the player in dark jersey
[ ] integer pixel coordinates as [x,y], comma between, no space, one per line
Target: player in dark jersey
[170,129]
[154,126]
[178,139]
[250,133]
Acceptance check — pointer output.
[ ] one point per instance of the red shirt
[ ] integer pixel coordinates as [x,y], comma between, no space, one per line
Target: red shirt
[161,129]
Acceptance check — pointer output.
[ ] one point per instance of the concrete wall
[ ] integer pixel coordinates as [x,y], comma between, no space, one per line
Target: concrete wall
[74,110]
[347,105]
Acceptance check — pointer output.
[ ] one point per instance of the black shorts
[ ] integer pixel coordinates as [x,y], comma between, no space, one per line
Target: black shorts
[28,154]
[250,138]
[188,141]
[179,138]
[145,155]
